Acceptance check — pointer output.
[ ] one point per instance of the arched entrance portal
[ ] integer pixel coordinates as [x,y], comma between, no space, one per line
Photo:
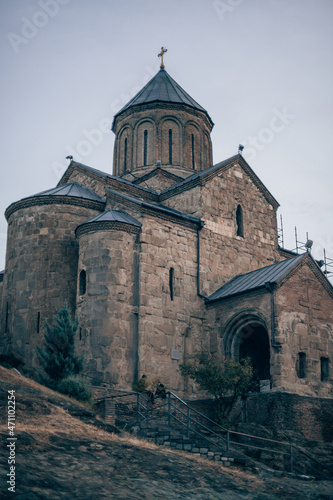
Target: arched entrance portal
[247,337]
[256,347]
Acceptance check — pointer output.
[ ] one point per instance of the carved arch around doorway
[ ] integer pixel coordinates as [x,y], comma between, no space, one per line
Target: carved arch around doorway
[246,335]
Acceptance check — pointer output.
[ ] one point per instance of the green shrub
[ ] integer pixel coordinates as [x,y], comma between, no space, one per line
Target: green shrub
[76,387]
[57,357]
[226,381]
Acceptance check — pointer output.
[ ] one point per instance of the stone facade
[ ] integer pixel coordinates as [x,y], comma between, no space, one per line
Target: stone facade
[190,131]
[169,255]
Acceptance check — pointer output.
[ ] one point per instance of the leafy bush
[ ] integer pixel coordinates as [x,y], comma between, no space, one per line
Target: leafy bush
[141,385]
[226,382]
[76,387]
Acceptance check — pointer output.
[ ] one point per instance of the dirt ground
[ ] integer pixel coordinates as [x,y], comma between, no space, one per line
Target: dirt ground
[60,456]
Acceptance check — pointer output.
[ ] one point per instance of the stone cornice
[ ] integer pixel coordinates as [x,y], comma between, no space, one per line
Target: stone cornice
[162,105]
[53,200]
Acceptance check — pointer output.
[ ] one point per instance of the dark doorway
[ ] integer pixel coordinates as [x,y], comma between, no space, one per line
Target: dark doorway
[254,344]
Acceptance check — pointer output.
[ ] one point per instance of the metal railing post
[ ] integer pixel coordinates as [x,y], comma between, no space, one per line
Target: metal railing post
[228,441]
[291,458]
[147,411]
[169,409]
[138,408]
[188,423]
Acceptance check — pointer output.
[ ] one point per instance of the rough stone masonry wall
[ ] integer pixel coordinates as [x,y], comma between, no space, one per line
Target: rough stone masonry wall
[223,254]
[305,319]
[41,265]
[89,179]
[166,324]
[310,415]
[158,182]
[107,311]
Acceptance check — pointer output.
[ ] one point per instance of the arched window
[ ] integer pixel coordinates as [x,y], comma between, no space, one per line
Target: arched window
[239,221]
[171,281]
[125,154]
[170,146]
[193,157]
[301,365]
[145,145]
[38,322]
[83,282]
[324,369]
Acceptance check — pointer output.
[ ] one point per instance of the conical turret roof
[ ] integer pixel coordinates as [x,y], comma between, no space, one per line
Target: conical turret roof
[163,88]
[73,189]
[114,216]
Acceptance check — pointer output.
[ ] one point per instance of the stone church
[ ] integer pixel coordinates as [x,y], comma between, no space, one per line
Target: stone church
[169,254]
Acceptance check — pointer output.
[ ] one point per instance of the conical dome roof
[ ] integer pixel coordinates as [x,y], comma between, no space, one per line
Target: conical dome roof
[114,216]
[73,189]
[162,88]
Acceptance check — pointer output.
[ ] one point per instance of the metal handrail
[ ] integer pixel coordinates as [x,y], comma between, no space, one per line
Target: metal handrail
[198,412]
[148,417]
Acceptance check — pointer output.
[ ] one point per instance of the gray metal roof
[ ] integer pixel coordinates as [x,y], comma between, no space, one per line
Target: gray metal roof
[73,189]
[114,216]
[158,208]
[163,88]
[256,279]
[105,175]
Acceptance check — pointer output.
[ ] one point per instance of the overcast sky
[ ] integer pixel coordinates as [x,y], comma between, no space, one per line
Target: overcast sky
[261,68]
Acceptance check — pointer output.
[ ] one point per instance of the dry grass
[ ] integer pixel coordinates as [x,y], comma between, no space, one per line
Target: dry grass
[64,447]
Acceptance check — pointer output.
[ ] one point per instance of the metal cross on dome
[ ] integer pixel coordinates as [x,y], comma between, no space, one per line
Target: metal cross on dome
[163,51]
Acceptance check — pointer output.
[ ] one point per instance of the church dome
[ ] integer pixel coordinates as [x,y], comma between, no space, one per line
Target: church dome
[161,125]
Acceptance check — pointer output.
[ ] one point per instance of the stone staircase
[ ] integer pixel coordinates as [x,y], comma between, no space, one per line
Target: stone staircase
[164,435]
[173,423]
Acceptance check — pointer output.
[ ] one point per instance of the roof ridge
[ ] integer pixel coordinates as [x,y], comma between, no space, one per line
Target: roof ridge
[176,86]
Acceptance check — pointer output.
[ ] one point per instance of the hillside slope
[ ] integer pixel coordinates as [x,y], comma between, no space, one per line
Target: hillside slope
[58,456]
